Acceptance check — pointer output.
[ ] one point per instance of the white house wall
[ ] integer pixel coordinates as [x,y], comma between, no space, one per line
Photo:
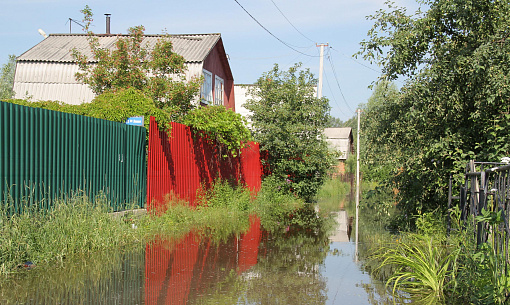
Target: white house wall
[340,145]
[43,81]
[240,93]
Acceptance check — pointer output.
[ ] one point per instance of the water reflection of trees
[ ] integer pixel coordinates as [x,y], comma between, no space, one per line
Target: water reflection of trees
[288,270]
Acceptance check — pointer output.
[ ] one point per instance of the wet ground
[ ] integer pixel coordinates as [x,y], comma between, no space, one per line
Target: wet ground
[296,267]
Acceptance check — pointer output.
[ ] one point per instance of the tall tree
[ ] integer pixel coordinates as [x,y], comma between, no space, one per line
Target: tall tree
[7,78]
[334,122]
[288,121]
[380,148]
[455,104]
[157,71]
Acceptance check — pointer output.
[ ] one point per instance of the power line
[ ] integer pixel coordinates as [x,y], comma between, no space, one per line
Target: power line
[260,24]
[291,22]
[337,82]
[333,96]
[359,63]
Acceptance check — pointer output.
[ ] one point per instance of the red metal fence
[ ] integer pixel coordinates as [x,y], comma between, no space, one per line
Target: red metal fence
[181,164]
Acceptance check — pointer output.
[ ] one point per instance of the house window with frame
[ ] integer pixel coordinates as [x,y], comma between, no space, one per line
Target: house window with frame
[218,91]
[206,91]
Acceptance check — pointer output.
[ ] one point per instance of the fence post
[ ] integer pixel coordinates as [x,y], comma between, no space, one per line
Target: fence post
[481,203]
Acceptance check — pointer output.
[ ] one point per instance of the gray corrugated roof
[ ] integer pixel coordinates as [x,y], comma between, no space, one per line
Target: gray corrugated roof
[337,133]
[57,47]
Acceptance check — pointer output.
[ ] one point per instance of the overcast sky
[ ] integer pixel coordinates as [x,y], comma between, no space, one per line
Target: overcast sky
[252,50]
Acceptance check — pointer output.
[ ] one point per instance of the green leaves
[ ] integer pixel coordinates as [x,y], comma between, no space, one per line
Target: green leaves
[453,104]
[221,126]
[7,78]
[289,121]
[423,266]
[157,71]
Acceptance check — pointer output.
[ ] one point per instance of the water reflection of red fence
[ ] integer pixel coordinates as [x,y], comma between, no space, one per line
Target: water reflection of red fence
[180,164]
[179,272]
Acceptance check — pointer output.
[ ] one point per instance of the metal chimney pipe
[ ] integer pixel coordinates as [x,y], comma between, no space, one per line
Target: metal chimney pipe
[107,24]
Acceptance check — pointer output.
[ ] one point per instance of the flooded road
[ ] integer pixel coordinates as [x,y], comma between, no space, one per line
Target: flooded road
[294,267]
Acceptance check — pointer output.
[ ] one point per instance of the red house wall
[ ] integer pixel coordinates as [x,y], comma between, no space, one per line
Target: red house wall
[217,64]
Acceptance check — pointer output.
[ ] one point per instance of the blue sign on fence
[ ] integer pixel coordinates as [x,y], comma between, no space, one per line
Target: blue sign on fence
[135,120]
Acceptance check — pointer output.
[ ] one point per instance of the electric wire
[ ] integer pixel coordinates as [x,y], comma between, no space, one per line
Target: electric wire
[291,22]
[336,78]
[283,42]
[332,95]
[359,63]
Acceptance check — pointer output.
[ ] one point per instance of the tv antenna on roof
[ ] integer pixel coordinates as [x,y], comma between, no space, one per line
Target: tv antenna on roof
[71,22]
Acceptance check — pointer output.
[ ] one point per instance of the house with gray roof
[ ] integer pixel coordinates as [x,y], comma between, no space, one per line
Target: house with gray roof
[341,140]
[47,71]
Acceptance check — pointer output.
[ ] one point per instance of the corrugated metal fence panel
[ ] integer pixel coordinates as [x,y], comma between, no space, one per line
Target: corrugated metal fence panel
[180,165]
[47,154]
[251,167]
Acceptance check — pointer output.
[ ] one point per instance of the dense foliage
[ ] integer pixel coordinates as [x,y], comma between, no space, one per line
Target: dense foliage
[221,126]
[288,121]
[157,71]
[379,152]
[454,105]
[113,106]
[7,78]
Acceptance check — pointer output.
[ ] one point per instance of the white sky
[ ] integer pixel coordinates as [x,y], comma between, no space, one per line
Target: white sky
[252,50]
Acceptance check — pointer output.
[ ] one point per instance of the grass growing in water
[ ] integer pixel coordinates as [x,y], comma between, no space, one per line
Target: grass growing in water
[424,266]
[76,226]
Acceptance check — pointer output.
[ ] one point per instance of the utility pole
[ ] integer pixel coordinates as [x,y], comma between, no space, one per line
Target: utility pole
[321,68]
[357,185]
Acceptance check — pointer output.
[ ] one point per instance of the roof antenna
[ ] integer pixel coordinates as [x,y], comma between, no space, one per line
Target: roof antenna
[107,23]
[71,20]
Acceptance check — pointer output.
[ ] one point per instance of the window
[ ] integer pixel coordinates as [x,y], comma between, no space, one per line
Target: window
[206,91]
[218,91]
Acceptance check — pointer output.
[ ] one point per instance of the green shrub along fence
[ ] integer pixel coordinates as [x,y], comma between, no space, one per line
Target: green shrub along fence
[45,155]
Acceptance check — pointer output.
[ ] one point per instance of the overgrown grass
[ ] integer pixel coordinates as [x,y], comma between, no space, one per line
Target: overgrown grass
[333,196]
[76,226]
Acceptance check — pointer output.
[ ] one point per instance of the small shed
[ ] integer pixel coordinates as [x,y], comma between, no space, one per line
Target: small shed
[341,140]
[47,71]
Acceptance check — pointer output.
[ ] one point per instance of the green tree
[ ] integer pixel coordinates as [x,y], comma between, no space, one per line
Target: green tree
[378,141]
[334,122]
[156,71]
[7,78]
[288,121]
[455,104]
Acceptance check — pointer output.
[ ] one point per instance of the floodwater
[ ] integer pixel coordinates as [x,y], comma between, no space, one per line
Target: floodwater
[295,267]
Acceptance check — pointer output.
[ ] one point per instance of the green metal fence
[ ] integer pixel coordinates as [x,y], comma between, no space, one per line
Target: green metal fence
[47,154]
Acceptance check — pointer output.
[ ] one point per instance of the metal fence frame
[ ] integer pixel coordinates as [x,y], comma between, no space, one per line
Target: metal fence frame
[486,186]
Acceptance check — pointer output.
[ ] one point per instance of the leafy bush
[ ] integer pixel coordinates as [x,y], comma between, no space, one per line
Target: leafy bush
[220,126]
